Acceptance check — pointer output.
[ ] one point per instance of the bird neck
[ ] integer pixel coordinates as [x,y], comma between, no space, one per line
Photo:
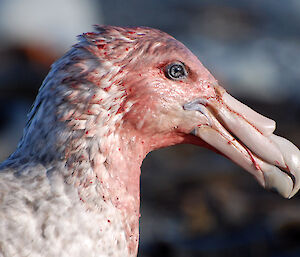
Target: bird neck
[101,162]
[111,177]
[104,170]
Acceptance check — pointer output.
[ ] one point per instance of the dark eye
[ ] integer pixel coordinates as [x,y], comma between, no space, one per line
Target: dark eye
[176,71]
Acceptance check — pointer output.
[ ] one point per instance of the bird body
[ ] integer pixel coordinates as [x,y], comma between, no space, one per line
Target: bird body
[37,220]
[72,187]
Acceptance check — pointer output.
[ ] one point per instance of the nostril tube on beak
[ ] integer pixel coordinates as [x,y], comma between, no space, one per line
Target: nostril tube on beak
[199,105]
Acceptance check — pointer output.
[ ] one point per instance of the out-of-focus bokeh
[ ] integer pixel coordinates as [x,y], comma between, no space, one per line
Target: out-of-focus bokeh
[194,202]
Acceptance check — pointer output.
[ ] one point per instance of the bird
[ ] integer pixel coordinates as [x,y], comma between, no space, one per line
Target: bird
[72,186]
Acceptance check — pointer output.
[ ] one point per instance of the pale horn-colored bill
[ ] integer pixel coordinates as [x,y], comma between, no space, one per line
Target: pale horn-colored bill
[247,138]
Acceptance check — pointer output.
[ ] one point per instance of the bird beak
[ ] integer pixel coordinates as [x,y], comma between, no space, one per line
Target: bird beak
[247,138]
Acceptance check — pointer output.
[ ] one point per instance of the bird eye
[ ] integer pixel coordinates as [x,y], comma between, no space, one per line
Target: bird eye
[176,71]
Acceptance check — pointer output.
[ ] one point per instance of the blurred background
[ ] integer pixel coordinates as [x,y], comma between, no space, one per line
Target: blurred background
[194,202]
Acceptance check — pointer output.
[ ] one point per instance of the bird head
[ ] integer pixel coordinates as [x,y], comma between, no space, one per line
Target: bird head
[143,84]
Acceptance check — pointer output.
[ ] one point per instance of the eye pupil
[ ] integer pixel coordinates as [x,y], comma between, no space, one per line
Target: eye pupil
[176,71]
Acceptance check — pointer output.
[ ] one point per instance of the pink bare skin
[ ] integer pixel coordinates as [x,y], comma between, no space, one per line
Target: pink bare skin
[123,92]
